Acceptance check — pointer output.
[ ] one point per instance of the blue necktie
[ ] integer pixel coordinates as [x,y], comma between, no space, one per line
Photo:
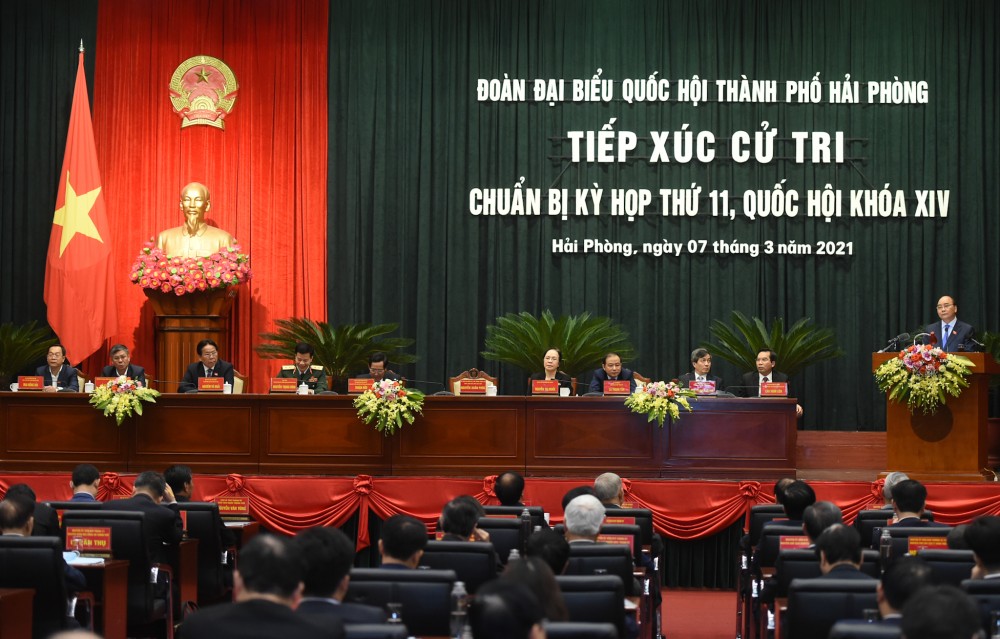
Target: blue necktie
[944,342]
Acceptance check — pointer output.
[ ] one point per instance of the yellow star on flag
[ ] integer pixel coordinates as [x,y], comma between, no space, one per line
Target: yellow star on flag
[74,216]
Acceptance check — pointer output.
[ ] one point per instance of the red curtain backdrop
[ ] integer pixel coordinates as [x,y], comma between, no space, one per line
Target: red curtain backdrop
[266,171]
[681,509]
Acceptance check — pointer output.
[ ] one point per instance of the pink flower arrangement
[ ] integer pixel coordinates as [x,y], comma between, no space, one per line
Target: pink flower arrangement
[152,269]
[923,359]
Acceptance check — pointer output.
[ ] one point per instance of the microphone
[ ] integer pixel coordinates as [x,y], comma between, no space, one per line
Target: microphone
[894,342]
[407,381]
[736,391]
[919,335]
[979,345]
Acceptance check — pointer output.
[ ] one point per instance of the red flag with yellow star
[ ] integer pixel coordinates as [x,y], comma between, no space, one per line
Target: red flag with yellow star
[79,282]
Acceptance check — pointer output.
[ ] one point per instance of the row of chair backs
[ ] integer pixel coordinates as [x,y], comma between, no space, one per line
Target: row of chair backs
[948,566]
[537,513]
[424,594]
[205,524]
[868,520]
[854,629]
[474,562]
[553,630]
[36,563]
[802,563]
[594,599]
[632,531]
[597,559]
[505,535]
[814,605]
[986,594]
[760,515]
[643,519]
[769,543]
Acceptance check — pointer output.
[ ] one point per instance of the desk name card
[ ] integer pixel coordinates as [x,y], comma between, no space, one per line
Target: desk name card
[30,383]
[284,385]
[702,388]
[210,384]
[545,387]
[101,381]
[91,540]
[617,387]
[233,506]
[472,387]
[617,540]
[793,542]
[358,385]
[625,521]
[774,389]
[916,543]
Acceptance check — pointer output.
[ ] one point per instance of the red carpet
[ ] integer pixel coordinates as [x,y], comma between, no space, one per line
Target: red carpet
[699,614]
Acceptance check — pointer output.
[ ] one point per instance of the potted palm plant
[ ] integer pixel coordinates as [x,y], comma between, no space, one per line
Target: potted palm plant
[21,345]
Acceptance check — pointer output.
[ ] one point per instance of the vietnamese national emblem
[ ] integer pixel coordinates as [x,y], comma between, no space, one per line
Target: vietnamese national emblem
[202,91]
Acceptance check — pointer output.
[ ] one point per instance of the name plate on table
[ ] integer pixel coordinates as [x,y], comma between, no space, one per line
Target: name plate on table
[792,542]
[702,388]
[211,384]
[358,385]
[617,387]
[916,543]
[30,383]
[774,389]
[284,385]
[233,506]
[89,540]
[101,381]
[626,521]
[617,540]
[545,387]
[472,387]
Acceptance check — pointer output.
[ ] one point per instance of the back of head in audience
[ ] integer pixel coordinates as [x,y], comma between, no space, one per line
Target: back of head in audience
[909,496]
[779,489]
[983,538]
[180,479]
[403,540]
[150,483]
[329,556]
[573,493]
[956,538]
[509,487]
[85,476]
[608,489]
[16,513]
[551,547]
[534,573]
[21,491]
[904,577]
[891,480]
[505,609]
[796,497]
[270,567]
[839,544]
[820,516]
[941,612]
[584,516]
[459,518]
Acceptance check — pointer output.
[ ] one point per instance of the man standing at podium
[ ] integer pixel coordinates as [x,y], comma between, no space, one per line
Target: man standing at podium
[953,335]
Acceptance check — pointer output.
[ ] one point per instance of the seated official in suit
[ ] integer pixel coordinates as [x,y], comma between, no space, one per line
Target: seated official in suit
[180,479]
[506,609]
[17,520]
[209,365]
[46,519]
[941,611]
[402,543]
[303,370]
[57,375]
[267,587]
[85,481]
[550,370]
[163,524]
[327,575]
[610,370]
[839,549]
[766,361]
[983,538]
[952,335]
[121,364]
[701,362]
[378,368]
[908,499]
[900,581]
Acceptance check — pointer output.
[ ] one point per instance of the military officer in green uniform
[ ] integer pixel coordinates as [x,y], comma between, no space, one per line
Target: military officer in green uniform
[304,370]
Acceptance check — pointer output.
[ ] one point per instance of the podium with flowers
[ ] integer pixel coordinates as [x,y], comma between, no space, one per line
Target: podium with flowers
[192,298]
[952,443]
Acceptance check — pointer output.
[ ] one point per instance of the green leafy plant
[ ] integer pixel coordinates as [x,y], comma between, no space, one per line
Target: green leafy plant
[20,346]
[521,339]
[803,345]
[341,350]
[991,342]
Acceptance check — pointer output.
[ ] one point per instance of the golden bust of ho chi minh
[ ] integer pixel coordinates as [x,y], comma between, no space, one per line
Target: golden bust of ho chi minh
[194,238]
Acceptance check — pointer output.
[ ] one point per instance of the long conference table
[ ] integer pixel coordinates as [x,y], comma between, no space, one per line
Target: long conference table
[724,438]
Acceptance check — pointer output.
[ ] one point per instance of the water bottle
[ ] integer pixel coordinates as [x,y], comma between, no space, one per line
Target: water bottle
[525,529]
[885,548]
[459,606]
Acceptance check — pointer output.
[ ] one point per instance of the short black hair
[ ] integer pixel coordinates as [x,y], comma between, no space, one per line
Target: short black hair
[118,347]
[904,577]
[509,487]
[573,493]
[61,348]
[15,511]
[779,488]
[23,491]
[504,609]
[271,565]
[819,516]
[378,357]
[329,554]
[176,476]
[305,348]
[85,474]
[152,480]
[771,355]
[983,538]
[840,543]
[606,356]
[698,353]
[550,546]
[206,342]
[553,348]
[458,517]
[909,496]
[941,612]
[402,536]
[797,496]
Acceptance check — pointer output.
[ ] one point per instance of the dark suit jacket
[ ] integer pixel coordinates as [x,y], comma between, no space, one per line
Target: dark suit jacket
[163,524]
[388,375]
[564,380]
[67,379]
[326,613]
[82,497]
[597,383]
[916,522]
[751,387]
[686,378]
[254,619]
[844,571]
[960,334]
[190,382]
[138,373]
[46,521]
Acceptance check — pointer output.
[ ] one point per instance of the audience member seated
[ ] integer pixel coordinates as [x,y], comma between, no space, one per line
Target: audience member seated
[611,370]
[459,518]
[535,573]
[956,538]
[163,525]
[46,522]
[818,517]
[551,547]
[509,488]
[983,538]
[908,499]
[57,375]
[505,609]
[181,482]
[121,364]
[941,612]
[839,548]
[267,587]
[17,520]
[208,365]
[796,497]
[891,480]
[901,580]
[573,493]
[85,481]
[609,489]
[403,541]
[584,516]
[330,555]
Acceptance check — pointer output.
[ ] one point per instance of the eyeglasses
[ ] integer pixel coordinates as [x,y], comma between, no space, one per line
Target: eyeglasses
[210,354]
[942,306]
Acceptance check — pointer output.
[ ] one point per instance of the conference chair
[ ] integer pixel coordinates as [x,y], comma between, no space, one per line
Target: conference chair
[537,513]
[948,566]
[749,574]
[376,631]
[505,535]
[580,630]
[868,520]
[803,563]
[603,559]
[62,506]
[986,594]
[643,518]
[640,378]
[36,563]
[424,594]
[901,537]
[814,605]
[150,603]
[239,382]
[215,569]
[594,599]
[474,562]
[760,515]
[618,530]
[472,373]
[854,629]
[766,550]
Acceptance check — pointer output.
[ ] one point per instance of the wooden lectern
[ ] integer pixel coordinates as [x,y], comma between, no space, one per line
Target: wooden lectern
[182,322]
[951,445]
